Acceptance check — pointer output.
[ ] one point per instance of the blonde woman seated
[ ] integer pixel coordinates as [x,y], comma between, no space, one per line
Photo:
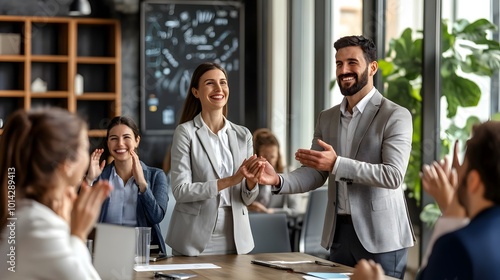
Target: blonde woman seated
[266,145]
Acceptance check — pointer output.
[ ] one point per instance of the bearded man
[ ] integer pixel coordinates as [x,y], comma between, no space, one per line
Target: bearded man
[362,146]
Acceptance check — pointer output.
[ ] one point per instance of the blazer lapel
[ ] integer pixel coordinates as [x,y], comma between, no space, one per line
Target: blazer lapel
[336,129]
[202,134]
[235,149]
[369,113]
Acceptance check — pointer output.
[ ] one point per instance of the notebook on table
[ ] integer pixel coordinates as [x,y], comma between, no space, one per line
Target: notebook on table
[114,252]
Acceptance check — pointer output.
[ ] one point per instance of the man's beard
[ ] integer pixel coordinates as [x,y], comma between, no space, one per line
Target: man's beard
[357,86]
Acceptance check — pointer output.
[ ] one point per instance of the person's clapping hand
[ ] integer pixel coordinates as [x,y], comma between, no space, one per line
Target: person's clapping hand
[95,168]
[439,179]
[319,160]
[262,171]
[137,172]
[87,207]
[367,270]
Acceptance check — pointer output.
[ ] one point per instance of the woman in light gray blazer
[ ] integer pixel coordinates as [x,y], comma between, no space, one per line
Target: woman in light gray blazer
[210,215]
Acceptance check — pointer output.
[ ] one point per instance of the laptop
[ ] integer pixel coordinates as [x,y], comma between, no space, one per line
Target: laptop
[114,252]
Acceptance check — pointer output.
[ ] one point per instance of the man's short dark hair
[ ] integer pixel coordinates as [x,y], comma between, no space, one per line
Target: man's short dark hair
[366,44]
[483,155]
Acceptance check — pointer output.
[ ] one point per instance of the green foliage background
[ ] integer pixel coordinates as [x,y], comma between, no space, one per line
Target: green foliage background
[465,49]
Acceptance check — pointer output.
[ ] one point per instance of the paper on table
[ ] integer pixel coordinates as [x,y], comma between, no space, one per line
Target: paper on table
[190,266]
[326,275]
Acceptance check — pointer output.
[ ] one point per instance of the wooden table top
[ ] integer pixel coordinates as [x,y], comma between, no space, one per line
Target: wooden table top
[240,267]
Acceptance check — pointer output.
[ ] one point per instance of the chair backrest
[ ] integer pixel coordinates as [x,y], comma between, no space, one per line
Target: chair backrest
[312,226]
[166,220]
[270,233]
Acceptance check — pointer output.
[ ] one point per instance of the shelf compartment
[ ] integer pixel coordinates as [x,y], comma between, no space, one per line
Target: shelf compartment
[97,78]
[49,38]
[98,136]
[54,74]
[11,76]
[94,39]
[9,106]
[15,27]
[49,102]
[97,113]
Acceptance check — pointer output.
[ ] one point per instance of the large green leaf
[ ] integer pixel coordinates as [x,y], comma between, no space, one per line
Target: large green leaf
[461,92]
[477,30]
[386,67]
[447,40]
[430,214]
[400,91]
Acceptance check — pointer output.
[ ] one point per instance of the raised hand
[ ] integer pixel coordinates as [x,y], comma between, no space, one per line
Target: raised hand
[319,160]
[439,180]
[95,169]
[137,171]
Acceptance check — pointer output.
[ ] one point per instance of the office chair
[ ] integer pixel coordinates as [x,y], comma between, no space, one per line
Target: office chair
[312,226]
[166,220]
[270,233]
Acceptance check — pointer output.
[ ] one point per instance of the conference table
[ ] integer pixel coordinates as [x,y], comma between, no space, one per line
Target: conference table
[240,267]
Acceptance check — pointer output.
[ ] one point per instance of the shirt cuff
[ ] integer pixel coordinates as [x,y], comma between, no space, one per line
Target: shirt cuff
[139,189]
[277,188]
[249,192]
[336,165]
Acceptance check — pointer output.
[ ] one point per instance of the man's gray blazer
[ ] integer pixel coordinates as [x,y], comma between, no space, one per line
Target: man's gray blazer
[374,173]
[194,174]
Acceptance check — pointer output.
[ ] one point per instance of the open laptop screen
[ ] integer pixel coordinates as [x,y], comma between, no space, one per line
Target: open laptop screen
[114,252]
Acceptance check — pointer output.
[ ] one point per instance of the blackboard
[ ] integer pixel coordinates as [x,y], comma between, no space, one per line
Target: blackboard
[176,36]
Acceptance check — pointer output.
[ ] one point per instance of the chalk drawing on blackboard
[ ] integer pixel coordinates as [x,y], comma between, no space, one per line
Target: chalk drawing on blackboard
[177,37]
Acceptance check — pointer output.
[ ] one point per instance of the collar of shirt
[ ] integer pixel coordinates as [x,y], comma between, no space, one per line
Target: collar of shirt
[361,104]
[221,131]
[113,176]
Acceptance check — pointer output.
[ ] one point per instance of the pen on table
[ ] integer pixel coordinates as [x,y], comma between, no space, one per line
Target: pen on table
[159,258]
[326,264]
[268,264]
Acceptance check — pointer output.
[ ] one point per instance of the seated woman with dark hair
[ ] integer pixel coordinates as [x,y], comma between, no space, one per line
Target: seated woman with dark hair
[139,197]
